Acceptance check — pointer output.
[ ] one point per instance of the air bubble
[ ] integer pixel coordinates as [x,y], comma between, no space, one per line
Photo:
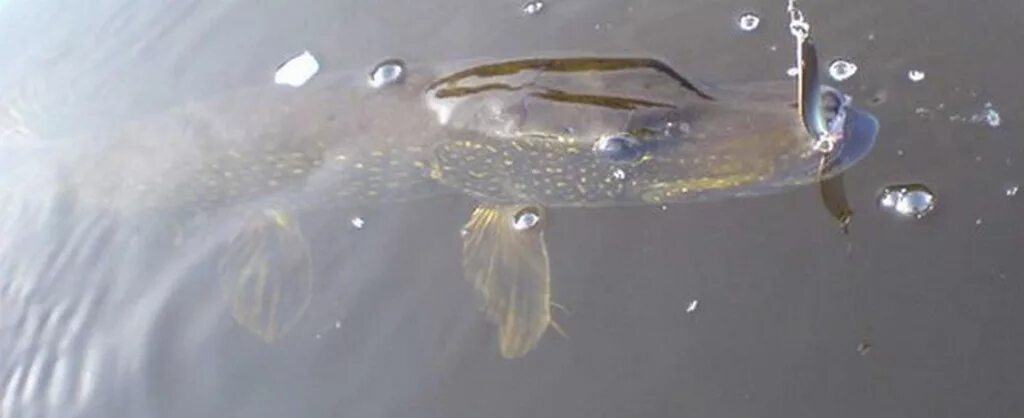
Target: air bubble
[911,200]
[525,219]
[793,71]
[358,223]
[1012,191]
[841,69]
[988,116]
[748,21]
[298,70]
[533,7]
[915,75]
[387,73]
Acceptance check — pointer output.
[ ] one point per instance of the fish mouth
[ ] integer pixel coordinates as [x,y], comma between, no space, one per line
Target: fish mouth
[837,130]
[858,137]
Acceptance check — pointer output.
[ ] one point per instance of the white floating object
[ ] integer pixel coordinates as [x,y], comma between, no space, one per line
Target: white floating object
[358,223]
[297,71]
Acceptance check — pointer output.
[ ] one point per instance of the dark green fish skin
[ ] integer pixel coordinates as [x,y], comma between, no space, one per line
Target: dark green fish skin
[518,131]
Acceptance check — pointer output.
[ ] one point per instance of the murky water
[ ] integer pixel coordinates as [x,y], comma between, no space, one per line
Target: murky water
[107,316]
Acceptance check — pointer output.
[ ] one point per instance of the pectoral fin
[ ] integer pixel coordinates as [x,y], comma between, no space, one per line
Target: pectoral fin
[266,273]
[507,262]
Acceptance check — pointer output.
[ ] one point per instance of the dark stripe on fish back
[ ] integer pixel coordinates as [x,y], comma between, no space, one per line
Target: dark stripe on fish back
[569,65]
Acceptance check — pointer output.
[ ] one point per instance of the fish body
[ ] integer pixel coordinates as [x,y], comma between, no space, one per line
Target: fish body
[517,136]
[333,142]
[512,132]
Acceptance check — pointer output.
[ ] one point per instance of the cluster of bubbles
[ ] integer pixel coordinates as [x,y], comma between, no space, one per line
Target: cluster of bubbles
[910,200]
[988,116]
[533,7]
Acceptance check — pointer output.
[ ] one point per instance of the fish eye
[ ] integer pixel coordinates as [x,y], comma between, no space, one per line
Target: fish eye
[619,148]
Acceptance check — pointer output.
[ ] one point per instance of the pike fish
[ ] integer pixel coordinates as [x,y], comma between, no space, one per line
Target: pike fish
[518,136]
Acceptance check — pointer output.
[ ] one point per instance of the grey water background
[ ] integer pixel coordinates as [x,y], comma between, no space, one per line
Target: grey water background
[99,319]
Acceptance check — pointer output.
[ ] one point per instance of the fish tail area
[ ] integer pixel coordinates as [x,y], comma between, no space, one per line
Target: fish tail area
[509,267]
[266,274]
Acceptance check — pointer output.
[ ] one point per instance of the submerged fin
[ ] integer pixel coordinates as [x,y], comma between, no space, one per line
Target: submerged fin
[267,275]
[509,266]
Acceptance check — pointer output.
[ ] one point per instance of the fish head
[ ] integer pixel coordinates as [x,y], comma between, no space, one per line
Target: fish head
[855,132]
[600,131]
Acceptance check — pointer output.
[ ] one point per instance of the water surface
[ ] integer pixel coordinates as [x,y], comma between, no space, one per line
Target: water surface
[101,317]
